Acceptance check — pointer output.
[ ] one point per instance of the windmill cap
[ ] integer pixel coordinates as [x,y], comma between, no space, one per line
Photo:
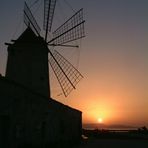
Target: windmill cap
[28,36]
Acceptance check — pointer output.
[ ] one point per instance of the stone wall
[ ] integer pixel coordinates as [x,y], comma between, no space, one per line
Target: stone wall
[36,120]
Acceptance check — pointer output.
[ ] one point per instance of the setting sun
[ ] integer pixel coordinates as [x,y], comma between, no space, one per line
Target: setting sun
[100,120]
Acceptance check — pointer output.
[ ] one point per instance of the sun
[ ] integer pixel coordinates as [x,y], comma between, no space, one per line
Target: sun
[100,120]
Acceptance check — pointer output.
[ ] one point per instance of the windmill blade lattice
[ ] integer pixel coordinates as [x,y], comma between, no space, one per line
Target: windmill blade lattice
[29,20]
[49,7]
[71,30]
[67,75]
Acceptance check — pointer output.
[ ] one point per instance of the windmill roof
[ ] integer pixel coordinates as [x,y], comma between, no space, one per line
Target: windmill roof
[28,36]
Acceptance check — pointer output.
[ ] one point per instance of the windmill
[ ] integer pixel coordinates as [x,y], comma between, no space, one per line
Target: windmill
[73,29]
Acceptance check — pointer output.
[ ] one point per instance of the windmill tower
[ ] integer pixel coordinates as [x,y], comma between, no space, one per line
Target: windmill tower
[28,55]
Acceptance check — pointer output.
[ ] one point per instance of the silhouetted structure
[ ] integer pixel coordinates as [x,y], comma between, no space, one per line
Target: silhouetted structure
[28,114]
[73,29]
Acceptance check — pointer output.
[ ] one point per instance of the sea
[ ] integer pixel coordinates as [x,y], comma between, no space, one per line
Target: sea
[109,127]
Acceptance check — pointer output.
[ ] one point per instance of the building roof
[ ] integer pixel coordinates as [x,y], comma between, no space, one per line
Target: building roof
[10,84]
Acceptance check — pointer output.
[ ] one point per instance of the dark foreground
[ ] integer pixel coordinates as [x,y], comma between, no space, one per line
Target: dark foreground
[113,143]
[114,139]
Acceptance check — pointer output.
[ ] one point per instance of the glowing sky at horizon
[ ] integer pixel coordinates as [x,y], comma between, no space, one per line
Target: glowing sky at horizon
[113,59]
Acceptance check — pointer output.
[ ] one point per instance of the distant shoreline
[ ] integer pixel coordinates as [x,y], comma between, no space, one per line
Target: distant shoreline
[111,129]
[93,126]
[134,133]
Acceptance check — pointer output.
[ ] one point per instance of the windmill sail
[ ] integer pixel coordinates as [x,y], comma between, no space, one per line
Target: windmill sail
[67,75]
[49,7]
[29,19]
[71,30]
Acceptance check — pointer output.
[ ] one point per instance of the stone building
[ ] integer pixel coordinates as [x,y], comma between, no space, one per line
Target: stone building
[28,115]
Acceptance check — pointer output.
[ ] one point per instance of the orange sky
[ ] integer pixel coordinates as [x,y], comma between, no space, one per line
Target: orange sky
[114,62]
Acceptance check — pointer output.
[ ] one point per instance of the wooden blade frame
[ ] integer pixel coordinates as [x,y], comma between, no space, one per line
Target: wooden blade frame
[71,30]
[67,75]
[29,20]
[49,7]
